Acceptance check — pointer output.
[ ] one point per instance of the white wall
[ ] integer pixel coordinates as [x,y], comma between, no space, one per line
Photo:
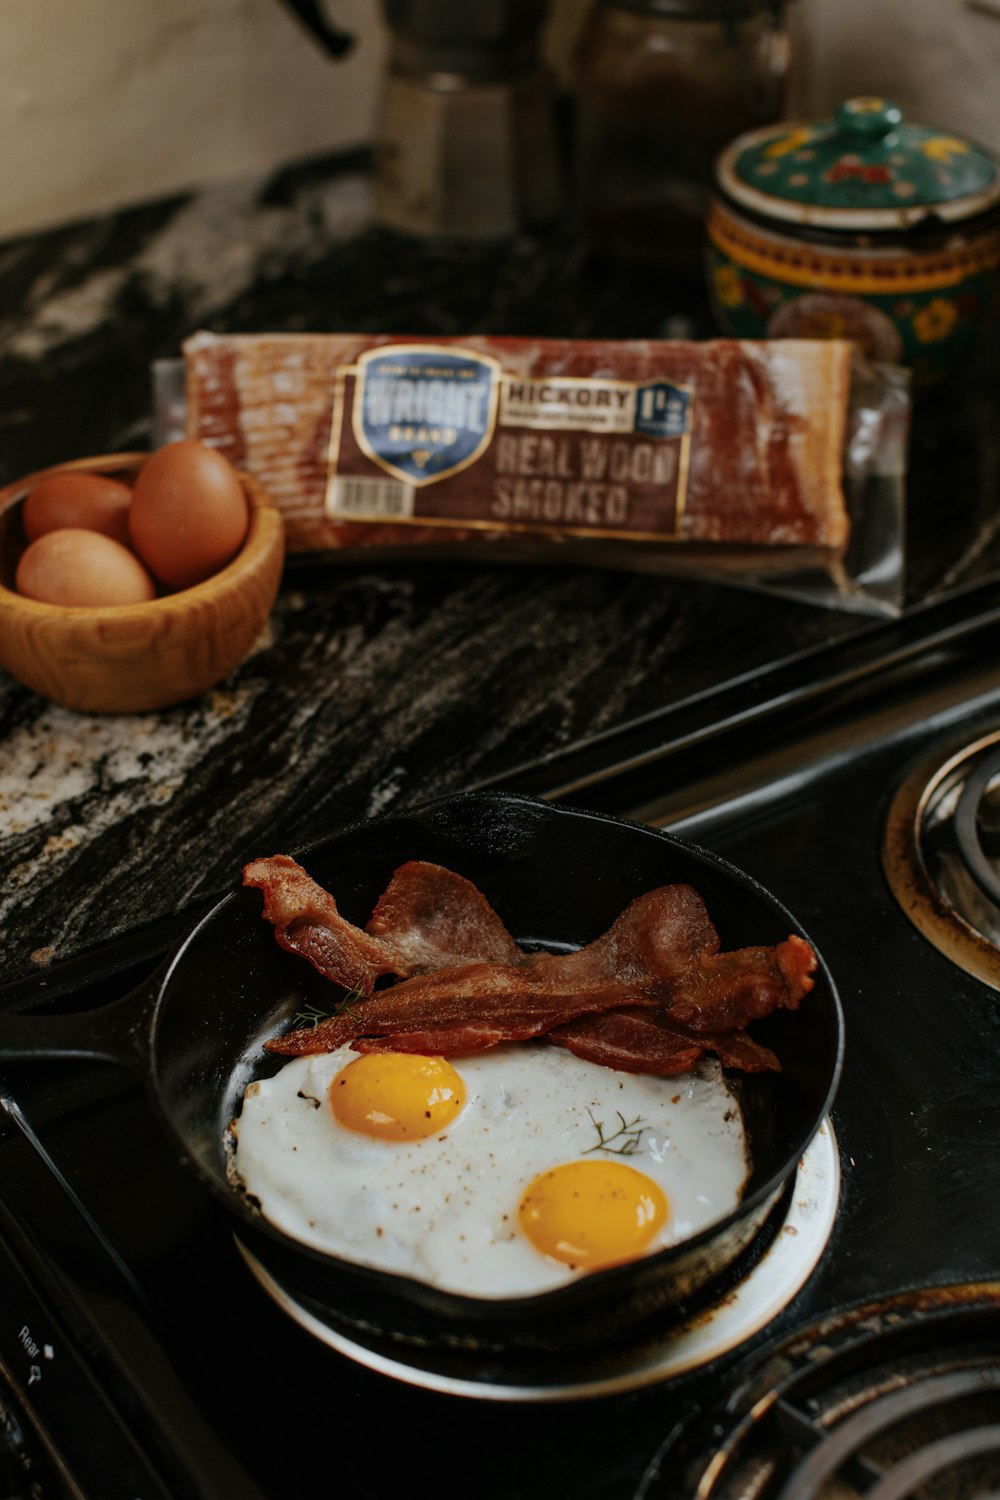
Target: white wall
[938,59]
[112,102]
[105,103]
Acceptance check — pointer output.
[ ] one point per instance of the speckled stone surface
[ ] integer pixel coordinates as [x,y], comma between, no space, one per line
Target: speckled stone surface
[371,687]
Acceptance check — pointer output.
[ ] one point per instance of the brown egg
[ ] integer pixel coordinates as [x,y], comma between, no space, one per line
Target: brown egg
[73,566]
[92,501]
[189,515]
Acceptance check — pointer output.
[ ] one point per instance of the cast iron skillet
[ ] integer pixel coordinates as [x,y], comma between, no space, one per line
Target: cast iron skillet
[558,877]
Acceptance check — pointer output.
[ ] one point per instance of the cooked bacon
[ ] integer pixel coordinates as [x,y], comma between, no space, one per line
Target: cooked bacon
[650,995]
[727,990]
[648,1041]
[653,941]
[657,937]
[306,921]
[459,1009]
[434,919]
[667,938]
[427,918]
[735,1049]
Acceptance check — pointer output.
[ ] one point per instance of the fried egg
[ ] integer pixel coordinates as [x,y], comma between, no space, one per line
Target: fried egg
[499,1174]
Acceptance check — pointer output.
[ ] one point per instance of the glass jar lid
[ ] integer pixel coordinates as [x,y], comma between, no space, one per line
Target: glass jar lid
[865,169]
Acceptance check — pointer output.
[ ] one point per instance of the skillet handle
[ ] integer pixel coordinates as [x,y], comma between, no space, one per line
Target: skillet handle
[114,1033]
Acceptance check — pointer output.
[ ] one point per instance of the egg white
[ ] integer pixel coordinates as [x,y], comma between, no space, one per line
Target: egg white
[444,1209]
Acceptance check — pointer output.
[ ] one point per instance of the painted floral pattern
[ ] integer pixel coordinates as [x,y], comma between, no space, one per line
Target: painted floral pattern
[866,157]
[728,285]
[927,331]
[935,321]
[944,148]
[787,143]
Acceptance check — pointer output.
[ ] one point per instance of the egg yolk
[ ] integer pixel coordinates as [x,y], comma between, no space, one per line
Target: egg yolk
[594,1213]
[397,1096]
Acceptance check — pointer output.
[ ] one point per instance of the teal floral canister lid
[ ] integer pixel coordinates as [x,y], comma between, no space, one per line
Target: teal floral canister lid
[867,168]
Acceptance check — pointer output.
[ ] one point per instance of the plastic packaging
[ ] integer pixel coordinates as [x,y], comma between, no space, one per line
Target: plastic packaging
[736,462]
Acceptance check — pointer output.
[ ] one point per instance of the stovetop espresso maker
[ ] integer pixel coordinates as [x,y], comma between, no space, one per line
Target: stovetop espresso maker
[465,136]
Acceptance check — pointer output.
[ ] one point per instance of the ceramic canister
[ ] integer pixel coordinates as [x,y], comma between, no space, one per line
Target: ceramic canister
[863,226]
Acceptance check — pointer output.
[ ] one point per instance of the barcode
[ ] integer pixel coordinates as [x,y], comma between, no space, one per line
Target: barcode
[370,499]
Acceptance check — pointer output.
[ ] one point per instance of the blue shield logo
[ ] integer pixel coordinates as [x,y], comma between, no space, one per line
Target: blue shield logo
[662,410]
[422,412]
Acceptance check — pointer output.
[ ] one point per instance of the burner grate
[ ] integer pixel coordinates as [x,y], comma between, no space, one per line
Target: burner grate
[884,1451]
[940,852]
[897,1401]
[976,829]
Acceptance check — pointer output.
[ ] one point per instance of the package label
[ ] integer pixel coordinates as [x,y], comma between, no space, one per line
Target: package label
[443,436]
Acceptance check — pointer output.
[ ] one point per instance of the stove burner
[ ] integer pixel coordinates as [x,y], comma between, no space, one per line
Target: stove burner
[976,837]
[896,1400]
[743,1308]
[941,853]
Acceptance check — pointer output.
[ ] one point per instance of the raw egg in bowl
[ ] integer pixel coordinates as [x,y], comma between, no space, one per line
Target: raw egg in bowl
[130,582]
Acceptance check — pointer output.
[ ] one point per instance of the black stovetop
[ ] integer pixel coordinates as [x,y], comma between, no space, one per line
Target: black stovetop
[136,1338]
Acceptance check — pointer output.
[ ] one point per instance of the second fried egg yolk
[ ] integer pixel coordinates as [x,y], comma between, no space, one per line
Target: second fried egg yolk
[593,1213]
[397,1096]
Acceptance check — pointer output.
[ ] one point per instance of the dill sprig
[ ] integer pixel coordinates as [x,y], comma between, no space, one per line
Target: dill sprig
[629,1133]
[310,1015]
[313,1015]
[343,1005]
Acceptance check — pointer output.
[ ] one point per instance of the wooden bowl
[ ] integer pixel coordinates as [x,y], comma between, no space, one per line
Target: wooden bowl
[134,657]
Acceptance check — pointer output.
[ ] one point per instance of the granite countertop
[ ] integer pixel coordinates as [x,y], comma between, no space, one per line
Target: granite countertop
[372,687]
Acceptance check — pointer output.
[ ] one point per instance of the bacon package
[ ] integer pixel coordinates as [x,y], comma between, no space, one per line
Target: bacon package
[726,456]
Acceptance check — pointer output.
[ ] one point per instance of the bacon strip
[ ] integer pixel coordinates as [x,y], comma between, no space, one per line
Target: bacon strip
[723,991]
[434,919]
[306,921]
[458,1010]
[648,1041]
[658,936]
[667,936]
[427,918]
[661,953]
[651,995]
[653,939]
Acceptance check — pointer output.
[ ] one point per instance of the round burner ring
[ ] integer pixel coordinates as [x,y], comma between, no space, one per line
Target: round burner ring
[905,866]
[974,840]
[880,1397]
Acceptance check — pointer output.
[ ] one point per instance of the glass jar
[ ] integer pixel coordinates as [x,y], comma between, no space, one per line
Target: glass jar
[662,87]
